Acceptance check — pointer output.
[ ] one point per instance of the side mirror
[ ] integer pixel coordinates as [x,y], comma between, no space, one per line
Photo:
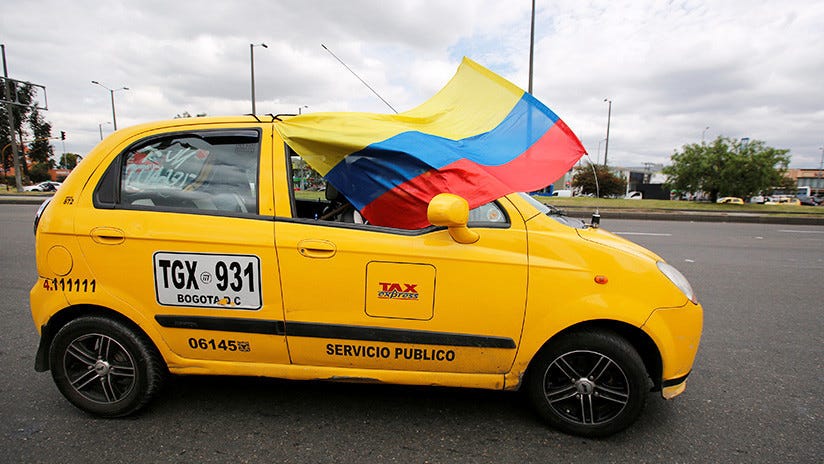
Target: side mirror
[452,211]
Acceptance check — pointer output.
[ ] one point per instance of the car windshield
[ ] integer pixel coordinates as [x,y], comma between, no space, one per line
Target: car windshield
[553,212]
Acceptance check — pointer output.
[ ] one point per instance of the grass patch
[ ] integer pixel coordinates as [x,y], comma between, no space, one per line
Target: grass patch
[309,195]
[646,205]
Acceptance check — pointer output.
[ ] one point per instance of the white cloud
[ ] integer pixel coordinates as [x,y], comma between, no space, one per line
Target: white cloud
[743,68]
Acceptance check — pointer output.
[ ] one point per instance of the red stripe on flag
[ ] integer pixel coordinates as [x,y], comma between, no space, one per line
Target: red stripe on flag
[544,162]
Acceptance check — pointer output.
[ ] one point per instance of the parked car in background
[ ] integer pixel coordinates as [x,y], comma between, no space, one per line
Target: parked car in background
[634,195]
[758,199]
[730,200]
[786,201]
[562,193]
[47,186]
[808,200]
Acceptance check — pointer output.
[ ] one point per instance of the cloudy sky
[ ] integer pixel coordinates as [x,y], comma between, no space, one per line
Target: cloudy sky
[675,71]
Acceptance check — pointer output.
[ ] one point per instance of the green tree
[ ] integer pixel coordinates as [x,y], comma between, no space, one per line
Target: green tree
[727,167]
[39,172]
[609,184]
[68,161]
[40,149]
[24,96]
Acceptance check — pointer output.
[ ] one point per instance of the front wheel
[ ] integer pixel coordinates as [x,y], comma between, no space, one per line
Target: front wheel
[103,367]
[592,384]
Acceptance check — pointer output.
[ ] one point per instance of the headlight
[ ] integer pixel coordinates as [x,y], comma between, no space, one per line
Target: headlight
[678,279]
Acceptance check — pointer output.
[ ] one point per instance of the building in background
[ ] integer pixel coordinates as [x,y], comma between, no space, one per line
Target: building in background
[647,179]
[813,178]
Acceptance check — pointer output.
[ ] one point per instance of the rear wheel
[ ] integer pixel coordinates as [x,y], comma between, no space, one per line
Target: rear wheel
[104,367]
[591,384]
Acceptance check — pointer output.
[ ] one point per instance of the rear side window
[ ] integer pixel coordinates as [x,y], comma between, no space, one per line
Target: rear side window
[206,172]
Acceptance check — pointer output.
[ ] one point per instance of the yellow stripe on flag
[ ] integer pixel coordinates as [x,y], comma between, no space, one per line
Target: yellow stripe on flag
[474,101]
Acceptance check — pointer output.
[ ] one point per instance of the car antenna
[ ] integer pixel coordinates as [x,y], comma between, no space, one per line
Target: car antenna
[596,216]
[362,81]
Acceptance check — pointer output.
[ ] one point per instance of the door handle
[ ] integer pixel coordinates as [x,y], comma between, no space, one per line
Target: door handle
[312,248]
[108,235]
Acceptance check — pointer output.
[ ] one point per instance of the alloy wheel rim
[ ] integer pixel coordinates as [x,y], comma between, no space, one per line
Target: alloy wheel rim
[99,368]
[586,387]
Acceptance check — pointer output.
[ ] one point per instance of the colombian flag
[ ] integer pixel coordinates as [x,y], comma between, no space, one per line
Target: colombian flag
[481,137]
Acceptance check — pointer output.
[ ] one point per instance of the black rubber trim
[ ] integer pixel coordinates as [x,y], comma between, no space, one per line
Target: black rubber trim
[41,359]
[377,334]
[334,331]
[676,381]
[223,324]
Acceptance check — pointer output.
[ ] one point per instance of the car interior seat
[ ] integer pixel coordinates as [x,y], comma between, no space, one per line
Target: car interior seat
[339,208]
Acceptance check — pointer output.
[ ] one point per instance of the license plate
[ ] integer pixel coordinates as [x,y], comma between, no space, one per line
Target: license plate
[207,280]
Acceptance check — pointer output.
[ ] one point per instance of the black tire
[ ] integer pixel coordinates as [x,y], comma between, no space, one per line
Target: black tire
[591,384]
[105,368]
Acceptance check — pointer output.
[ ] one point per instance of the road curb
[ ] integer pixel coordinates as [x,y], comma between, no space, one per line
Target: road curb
[22,200]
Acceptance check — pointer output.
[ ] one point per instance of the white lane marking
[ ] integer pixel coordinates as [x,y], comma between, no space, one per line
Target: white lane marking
[790,231]
[649,234]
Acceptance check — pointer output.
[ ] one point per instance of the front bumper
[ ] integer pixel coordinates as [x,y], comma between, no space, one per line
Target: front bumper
[677,333]
[674,387]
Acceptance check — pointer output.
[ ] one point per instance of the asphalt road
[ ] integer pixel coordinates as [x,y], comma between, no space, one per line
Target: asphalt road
[755,394]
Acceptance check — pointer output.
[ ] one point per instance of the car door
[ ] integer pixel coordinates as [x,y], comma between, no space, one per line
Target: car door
[180,230]
[363,296]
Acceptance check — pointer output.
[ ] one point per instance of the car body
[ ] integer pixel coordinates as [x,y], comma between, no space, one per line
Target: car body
[47,186]
[730,200]
[183,247]
[808,200]
[634,195]
[784,200]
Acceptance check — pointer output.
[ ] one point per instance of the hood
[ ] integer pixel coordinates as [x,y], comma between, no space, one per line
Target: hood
[606,238]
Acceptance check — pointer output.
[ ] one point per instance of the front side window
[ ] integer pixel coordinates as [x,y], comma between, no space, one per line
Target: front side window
[489,214]
[210,171]
[314,198]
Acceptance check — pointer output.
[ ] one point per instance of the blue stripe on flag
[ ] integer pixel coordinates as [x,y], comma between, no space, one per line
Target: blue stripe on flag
[365,171]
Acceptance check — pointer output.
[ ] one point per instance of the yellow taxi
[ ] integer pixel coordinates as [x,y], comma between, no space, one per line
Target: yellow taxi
[206,246]
[784,200]
[730,200]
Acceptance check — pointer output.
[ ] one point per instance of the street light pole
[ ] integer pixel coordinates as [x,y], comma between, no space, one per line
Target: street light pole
[609,117]
[100,126]
[703,133]
[111,92]
[821,166]
[252,62]
[598,155]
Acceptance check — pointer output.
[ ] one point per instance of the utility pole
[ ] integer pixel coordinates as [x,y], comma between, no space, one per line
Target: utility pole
[10,99]
[531,45]
[14,150]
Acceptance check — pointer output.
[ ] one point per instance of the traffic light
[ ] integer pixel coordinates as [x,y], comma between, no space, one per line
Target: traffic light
[62,135]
